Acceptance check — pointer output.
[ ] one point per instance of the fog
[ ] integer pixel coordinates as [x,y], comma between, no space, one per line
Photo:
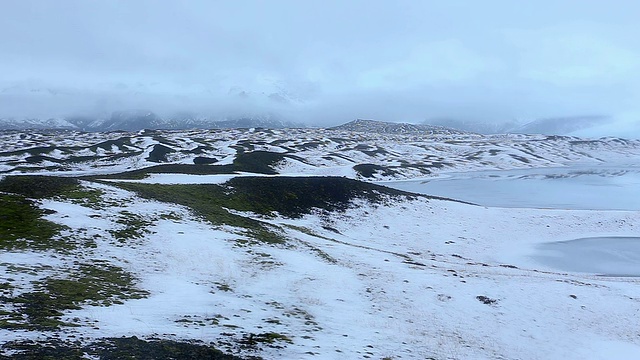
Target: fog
[323,62]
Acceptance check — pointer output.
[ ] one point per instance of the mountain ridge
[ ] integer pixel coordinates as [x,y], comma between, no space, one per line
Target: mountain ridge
[136,120]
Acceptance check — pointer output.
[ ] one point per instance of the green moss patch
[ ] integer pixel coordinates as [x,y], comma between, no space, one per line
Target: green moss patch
[258,162]
[209,201]
[96,284]
[91,198]
[113,349]
[44,187]
[22,226]
[296,196]
[193,169]
[289,196]
[135,227]
[38,187]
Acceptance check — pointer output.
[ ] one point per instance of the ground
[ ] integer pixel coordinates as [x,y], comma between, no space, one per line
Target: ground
[272,267]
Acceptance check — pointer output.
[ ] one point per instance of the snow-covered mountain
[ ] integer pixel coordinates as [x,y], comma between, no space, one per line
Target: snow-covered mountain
[135,120]
[35,123]
[561,125]
[474,126]
[569,125]
[382,127]
[261,102]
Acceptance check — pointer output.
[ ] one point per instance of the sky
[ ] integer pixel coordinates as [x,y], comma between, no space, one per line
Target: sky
[323,62]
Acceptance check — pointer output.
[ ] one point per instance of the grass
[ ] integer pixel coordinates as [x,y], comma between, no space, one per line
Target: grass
[208,201]
[296,196]
[21,223]
[112,349]
[258,162]
[135,227]
[289,196]
[22,226]
[46,187]
[38,187]
[96,284]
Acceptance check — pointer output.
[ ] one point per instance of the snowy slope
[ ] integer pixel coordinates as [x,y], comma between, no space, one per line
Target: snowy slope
[410,279]
[364,155]
[396,278]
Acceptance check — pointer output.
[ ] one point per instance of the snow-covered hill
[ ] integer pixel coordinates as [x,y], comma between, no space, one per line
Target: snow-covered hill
[265,243]
[355,154]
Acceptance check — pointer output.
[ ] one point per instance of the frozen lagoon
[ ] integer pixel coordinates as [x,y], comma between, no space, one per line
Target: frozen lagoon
[577,188]
[608,256]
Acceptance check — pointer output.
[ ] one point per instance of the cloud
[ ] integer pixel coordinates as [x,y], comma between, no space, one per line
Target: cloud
[322,62]
[575,57]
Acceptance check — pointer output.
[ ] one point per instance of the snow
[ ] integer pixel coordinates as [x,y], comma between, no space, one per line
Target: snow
[404,283]
[328,151]
[408,279]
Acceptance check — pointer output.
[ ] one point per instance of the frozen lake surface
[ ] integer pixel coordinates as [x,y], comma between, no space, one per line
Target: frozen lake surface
[611,256]
[580,188]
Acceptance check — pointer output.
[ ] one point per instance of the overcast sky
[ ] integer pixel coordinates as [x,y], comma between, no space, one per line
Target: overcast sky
[323,61]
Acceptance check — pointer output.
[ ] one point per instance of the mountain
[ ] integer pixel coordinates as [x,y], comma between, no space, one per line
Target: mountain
[382,127]
[561,125]
[132,120]
[569,125]
[136,120]
[480,127]
[35,123]
[265,121]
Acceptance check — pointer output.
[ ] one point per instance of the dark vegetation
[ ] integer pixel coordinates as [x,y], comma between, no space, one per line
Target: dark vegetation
[97,283]
[44,187]
[134,227]
[368,170]
[38,187]
[159,153]
[296,196]
[486,300]
[289,196]
[21,222]
[113,349]
[192,169]
[208,201]
[258,162]
[22,226]
[202,160]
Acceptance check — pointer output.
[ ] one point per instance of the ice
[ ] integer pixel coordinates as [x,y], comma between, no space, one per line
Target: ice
[578,188]
[612,256]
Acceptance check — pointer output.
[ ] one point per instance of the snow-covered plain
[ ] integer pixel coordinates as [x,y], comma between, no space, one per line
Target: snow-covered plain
[405,279]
